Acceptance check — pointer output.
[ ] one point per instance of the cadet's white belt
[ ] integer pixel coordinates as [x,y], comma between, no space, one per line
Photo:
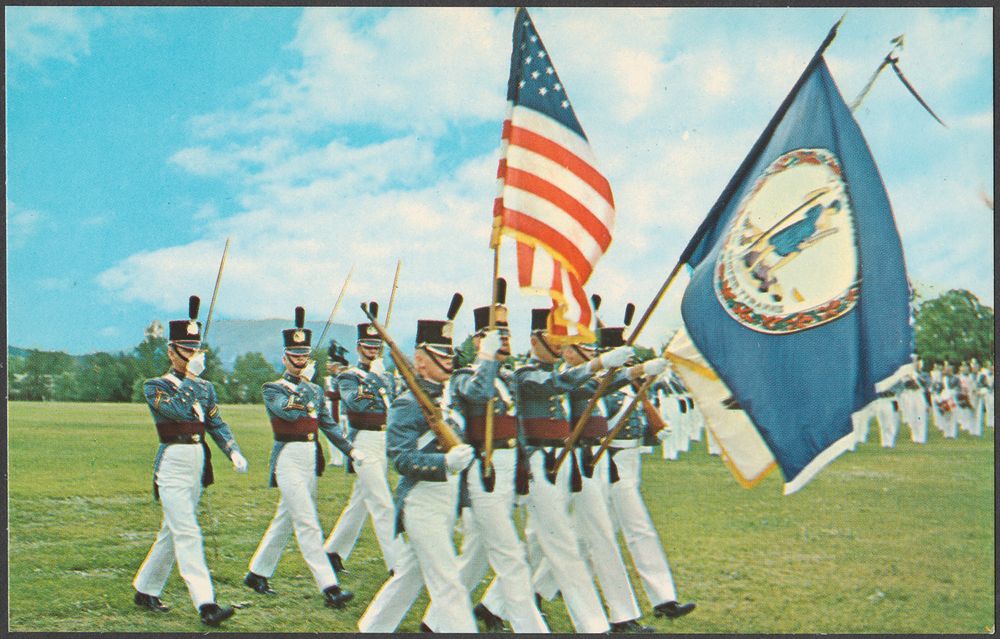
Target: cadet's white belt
[624,443]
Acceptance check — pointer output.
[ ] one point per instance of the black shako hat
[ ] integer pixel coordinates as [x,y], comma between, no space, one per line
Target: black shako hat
[187,332]
[540,319]
[337,353]
[297,339]
[367,335]
[481,315]
[613,336]
[435,335]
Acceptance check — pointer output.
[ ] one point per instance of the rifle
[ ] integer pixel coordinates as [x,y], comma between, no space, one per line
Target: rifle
[432,413]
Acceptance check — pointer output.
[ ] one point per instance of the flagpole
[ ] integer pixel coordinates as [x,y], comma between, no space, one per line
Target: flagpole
[489,478]
[897,43]
[710,220]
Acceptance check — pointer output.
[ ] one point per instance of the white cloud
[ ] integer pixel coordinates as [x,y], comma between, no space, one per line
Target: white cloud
[671,111]
[23,224]
[36,34]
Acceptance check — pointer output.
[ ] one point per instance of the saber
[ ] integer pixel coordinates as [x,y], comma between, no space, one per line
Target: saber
[215,292]
[392,294]
[913,92]
[336,307]
[897,43]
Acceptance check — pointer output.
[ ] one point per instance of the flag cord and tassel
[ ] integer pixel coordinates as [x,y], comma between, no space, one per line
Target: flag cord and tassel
[891,59]
[708,223]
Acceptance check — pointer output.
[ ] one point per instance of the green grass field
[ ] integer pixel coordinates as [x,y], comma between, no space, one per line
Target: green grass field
[882,541]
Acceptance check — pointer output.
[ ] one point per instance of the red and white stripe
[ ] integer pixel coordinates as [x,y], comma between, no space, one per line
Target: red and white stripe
[558,208]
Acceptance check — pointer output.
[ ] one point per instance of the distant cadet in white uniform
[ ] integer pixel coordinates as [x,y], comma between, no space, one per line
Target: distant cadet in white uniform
[984,391]
[297,411]
[427,494]
[184,408]
[887,414]
[966,400]
[913,406]
[944,400]
[365,393]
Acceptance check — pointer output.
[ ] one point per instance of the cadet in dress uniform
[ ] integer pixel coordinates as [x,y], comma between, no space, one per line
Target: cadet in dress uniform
[542,424]
[336,363]
[945,388]
[184,408]
[590,507]
[984,388]
[627,505]
[490,537]
[365,393]
[297,411]
[966,401]
[426,496]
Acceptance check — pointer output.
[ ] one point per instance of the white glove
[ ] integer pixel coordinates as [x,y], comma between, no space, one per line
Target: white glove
[489,344]
[616,357]
[653,367]
[239,462]
[377,367]
[196,365]
[456,459]
[307,372]
[663,434]
[359,457]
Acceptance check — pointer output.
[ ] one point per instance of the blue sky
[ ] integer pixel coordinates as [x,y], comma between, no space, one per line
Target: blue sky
[139,139]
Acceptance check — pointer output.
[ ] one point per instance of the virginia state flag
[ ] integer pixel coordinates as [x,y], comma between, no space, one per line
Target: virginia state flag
[798,297]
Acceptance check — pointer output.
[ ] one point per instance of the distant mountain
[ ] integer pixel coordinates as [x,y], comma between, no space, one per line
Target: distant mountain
[232,338]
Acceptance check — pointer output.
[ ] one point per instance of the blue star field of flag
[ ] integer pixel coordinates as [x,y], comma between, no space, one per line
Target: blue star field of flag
[533,81]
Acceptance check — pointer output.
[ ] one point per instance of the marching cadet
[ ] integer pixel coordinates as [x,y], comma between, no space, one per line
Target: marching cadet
[490,537]
[966,400]
[297,411]
[590,509]
[887,414]
[984,388]
[184,408]
[426,496]
[336,363]
[913,407]
[627,505]
[365,392]
[542,424]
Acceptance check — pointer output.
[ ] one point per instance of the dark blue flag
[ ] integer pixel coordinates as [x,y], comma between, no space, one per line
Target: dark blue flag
[798,296]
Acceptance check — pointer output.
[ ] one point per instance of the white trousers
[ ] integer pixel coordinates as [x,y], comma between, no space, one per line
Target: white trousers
[591,515]
[888,421]
[548,510]
[914,412]
[968,422]
[179,482]
[641,537]
[860,420]
[947,423]
[490,539]
[427,559]
[295,472]
[370,495]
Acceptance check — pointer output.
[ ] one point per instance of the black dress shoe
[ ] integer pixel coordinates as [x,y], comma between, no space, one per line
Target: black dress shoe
[425,628]
[631,626]
[337,598]
[492,622]
[212,614]
[672,609]
[150,602]
[258,584]
[336,563]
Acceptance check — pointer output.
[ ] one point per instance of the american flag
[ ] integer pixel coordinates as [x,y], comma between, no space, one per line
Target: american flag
[551,199]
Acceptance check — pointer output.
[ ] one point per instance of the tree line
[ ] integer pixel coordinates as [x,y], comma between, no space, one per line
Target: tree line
[953,327]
